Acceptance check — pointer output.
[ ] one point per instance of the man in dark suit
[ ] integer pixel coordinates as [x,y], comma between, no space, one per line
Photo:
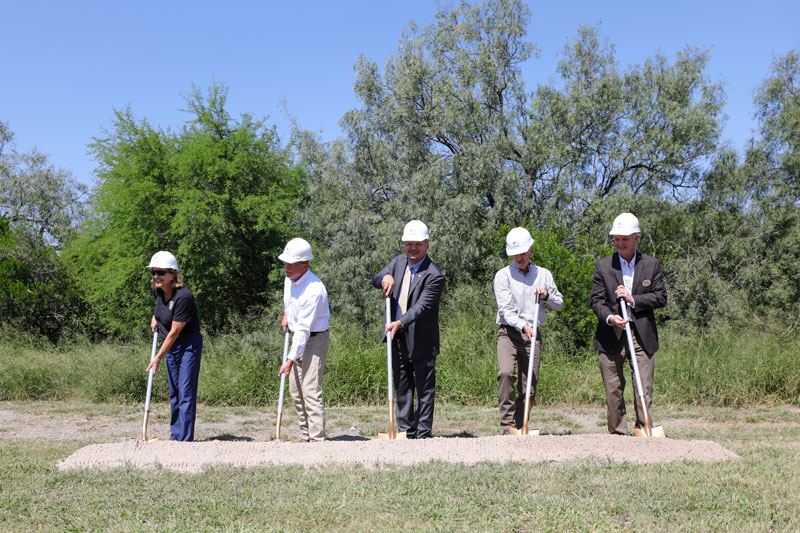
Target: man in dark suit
[638,279]
[415,284]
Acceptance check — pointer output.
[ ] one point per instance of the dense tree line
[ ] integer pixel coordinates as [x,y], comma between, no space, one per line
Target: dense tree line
[448,132]
[221,195]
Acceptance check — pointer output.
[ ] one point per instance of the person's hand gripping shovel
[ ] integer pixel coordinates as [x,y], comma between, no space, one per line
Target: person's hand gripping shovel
[648,430]
[283,386]
[393,434]
[524,430]
[149,390]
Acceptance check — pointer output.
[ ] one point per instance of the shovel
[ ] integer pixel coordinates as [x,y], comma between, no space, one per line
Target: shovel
[648,430]
[393,434]
[149,390]
[283,386]
[524,430]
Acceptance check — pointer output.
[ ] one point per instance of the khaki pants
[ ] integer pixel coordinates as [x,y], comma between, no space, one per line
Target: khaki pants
[305,386]
[513,353]
[611,368]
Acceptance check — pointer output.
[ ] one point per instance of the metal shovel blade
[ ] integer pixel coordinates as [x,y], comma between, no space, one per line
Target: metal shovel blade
[398,435]
[655,431]
[525,431]
[648,430]
[521,432]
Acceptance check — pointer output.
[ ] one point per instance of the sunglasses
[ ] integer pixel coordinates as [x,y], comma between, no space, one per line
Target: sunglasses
[158,272]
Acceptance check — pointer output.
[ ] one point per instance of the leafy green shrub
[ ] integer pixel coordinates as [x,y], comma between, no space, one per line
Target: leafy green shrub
[221,194]
[572,269]
[36,293]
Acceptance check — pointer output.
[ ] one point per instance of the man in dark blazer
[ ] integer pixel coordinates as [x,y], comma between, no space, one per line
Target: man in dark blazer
[638,279]
[415,285]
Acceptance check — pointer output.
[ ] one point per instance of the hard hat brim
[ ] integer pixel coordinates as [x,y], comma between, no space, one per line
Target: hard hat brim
[291,259]
[518,250]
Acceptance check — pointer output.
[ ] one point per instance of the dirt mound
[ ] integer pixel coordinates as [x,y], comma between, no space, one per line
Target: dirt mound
[196,456]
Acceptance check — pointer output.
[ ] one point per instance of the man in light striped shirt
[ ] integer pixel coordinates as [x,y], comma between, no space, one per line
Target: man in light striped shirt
[515,289]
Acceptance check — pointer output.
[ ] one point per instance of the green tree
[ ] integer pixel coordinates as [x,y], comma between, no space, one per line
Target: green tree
[40,208]
[35,197]
[221,195]
[778,112]
[650,130]
[448,133]
[733,251]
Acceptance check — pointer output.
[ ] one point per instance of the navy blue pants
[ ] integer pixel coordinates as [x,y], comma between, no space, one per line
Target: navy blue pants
[183,370]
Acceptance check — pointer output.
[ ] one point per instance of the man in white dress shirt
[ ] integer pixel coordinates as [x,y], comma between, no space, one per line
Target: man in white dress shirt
[306,315]
[515,289]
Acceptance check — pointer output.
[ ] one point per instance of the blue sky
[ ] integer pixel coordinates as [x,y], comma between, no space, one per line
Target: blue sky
[64,66]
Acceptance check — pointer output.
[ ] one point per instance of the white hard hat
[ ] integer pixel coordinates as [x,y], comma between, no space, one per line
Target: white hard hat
[625,224]
[296,250]
[415,231]
[518,241]
[163,260]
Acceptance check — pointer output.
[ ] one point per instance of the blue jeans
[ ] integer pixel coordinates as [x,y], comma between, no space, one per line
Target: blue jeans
[183,370]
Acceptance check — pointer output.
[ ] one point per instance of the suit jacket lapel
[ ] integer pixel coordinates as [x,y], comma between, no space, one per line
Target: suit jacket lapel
[637,273]
[617,267]
[398,274]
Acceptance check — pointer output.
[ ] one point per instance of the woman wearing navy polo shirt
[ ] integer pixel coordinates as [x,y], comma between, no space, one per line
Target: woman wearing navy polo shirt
[175,316]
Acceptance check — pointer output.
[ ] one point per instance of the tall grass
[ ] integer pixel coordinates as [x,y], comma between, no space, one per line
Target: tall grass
[720,366]
[724,366]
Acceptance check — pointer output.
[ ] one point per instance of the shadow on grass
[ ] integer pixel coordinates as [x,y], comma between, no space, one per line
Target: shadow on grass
[348,438]
[230,438]
[460,435]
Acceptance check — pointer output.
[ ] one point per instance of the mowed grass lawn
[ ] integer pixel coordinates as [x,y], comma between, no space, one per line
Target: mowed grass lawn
[759,492]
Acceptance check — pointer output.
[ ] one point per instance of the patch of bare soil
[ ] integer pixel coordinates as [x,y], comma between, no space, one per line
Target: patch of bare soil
[196,456]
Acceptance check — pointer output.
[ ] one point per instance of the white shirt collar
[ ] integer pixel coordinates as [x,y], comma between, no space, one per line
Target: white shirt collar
[302,279]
